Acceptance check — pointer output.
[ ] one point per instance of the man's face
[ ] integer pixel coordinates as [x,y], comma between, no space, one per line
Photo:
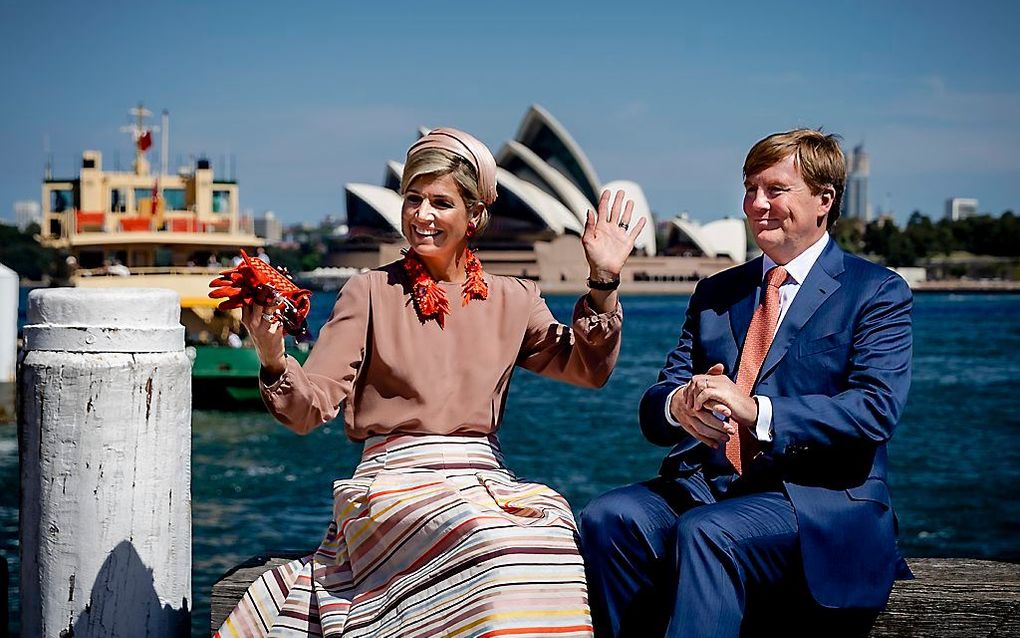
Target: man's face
[784,216]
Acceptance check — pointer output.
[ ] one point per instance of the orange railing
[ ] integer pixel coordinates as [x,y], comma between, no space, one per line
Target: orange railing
[182,224]
[170,221]
[83,219]
[135,223]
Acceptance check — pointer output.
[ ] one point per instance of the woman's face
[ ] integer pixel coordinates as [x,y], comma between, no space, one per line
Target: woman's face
[434,217]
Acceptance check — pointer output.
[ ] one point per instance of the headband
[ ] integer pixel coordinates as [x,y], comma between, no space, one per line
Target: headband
[468,147]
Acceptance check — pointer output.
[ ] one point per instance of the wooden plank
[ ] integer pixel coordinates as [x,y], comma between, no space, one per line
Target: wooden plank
[950,597]
[954,597]
[227,591]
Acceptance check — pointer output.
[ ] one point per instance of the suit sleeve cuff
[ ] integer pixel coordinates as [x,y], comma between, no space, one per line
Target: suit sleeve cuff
[669,402]
[763,428]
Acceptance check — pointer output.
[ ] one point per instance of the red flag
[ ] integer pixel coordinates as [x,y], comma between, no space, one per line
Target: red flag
[145,140]
[155,196]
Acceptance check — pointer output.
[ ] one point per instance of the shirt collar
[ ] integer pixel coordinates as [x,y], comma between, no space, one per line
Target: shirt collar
[799,266]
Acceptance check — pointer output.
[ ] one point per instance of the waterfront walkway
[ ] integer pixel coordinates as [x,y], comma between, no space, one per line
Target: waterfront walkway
[950,597]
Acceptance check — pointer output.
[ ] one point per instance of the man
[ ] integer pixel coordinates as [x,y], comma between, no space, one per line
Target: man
[790,375]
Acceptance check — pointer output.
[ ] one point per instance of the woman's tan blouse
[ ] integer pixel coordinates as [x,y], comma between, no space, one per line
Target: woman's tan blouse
[392,373]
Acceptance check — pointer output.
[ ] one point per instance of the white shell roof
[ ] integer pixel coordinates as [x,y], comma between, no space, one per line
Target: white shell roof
[721,237]
[549,209]
[568,194]
[728,236]
[394,173]
[646,240]
[692,231]
[537,120]
[382,200]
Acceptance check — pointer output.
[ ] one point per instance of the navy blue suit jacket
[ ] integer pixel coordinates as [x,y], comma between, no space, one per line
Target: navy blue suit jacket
[837,374]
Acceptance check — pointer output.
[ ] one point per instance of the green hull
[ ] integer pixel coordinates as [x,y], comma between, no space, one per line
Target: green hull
[224,377]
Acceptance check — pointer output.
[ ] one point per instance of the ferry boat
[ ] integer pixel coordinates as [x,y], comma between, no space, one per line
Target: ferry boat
[160,230]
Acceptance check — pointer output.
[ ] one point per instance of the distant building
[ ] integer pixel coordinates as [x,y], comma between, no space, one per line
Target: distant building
[141,219]
[855,199]
[26,213]
[545,185]
[727,237]
[268,227]
[958,208]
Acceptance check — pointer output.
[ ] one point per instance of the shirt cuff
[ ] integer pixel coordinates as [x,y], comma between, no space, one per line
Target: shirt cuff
[270,384]
[584,309]
[763,427]
[669,402]
[596,327]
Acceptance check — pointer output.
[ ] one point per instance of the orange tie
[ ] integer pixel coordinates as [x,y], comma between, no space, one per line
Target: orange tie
[743,447]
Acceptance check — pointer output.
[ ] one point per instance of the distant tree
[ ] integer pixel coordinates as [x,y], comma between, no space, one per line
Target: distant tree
[21,252]
[922,235]
[979,235]
[1003,236]
[878,237]
[963,233]
[980,231]
[848,233]
[901,251]
[1010,233]
[289,258]
[945,241]
[311,260]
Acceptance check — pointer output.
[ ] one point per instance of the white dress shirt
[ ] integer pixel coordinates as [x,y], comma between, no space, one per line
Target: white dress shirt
[797,269]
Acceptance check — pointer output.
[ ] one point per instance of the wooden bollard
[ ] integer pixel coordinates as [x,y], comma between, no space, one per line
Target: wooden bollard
[105,445]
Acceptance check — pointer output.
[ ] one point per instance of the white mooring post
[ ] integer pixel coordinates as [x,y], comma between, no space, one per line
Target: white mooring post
[8,323]
[105,444]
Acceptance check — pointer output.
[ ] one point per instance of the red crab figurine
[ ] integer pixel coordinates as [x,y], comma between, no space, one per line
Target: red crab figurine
[255,281]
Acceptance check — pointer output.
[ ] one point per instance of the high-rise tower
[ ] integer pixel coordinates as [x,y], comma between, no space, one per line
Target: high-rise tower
[855,200]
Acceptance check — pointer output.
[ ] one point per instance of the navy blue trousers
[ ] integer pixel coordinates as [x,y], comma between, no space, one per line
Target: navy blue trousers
[661,563]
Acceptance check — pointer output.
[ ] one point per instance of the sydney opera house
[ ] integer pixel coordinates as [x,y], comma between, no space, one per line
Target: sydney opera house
[546,185]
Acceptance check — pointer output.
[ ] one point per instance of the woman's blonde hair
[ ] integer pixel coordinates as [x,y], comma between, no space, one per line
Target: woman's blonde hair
[437,162]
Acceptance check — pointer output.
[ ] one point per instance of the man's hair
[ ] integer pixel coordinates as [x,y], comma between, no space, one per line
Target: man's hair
[816,155]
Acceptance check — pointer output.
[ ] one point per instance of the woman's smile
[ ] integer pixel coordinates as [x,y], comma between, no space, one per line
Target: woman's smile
[426,231]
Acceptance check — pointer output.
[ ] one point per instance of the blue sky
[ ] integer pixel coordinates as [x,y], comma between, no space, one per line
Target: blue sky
[309,96]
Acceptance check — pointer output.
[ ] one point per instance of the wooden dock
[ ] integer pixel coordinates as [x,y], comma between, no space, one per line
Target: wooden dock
[950,597]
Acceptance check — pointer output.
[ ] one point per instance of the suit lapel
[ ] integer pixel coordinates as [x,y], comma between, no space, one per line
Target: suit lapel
[818,286]
[742,311]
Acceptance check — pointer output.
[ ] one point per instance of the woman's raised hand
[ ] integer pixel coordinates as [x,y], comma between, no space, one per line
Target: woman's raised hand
[608,238]
[267,336]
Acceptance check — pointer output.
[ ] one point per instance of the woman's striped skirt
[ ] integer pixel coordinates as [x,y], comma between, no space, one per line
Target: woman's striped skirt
[432,536]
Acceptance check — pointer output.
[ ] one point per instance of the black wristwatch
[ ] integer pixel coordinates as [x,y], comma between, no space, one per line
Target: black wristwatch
[605,285]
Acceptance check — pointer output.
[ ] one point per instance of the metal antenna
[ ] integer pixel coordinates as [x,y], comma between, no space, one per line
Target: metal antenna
[137,129]
[48,155]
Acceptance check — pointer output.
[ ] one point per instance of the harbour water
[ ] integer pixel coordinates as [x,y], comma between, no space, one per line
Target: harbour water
[955,458]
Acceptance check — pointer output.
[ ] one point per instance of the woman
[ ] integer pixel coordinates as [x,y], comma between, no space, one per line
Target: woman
[433,535]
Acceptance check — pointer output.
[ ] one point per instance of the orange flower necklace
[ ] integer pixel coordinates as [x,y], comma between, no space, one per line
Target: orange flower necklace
[428,296]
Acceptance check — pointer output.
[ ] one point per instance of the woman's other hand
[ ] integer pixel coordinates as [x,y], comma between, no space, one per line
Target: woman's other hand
[267,337]
[608,237]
